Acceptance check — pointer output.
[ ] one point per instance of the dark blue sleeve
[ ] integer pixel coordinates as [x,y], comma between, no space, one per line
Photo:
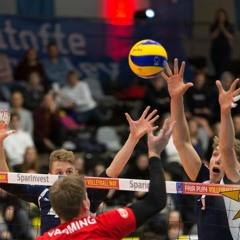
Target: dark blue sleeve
[29,193]
[203,174]
[97,196]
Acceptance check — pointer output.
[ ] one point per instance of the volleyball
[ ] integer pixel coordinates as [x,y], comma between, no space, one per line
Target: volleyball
[147,58]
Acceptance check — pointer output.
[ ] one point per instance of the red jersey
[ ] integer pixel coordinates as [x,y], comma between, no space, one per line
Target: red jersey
[112,225]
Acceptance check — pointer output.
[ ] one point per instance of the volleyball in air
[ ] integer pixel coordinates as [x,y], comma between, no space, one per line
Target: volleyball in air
[147,58]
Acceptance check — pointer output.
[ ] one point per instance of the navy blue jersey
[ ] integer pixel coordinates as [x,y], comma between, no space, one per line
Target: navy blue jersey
[39,195]
[211,215]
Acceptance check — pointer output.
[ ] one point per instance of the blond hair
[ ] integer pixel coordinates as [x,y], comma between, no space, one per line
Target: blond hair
[61,155]
[236,146]
[67,195]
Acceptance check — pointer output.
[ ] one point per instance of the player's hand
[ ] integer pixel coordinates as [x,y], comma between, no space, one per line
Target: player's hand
[228,99]
[4,121]
[175,82]
[157,143]
[141,126]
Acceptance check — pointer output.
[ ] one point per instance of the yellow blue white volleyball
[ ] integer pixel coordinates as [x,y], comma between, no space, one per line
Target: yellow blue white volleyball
[147,58]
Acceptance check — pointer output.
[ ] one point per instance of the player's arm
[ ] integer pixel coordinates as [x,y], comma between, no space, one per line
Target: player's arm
[181,137]
[138,129]
[156,198]
[227,133]
[4,121]
[19,190]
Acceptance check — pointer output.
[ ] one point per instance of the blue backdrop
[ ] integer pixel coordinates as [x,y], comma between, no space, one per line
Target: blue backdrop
[96,49]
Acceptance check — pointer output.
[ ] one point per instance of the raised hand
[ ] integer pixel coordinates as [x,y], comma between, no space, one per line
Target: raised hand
[228,98]
[4,121]
[141,126]
[157,143]
[175,82]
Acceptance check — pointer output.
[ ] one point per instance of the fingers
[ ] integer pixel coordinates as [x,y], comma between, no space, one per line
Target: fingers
[5,116]
[169,71]
[151,115]
[219,86]
[234,84]
[175,68]
[129,119]
[153,120]
[235,99]
[171,127]
[233,105]
[144,114]
[153,129]
[168,127]
[164,76]
[182,69]
[10,132]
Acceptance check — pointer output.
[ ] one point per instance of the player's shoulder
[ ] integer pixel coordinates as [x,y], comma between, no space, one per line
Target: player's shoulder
[123,213]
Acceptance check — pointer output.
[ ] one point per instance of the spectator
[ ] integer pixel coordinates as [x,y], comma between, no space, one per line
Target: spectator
[4,233]
[222,34]
[227,79]
[17,102]
[27,65]
[236,123]
[6,73]
[15,216]
[195,139]
[33,91]
[16,145]
[157,95]
[76,98]
[198,100]
[56,67]
[47,128]
[30,161]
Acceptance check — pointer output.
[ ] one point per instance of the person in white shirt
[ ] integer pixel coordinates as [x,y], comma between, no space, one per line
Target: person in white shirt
[76,98]
[16,144]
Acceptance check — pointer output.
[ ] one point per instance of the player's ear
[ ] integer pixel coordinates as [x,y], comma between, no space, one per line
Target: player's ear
[85,205]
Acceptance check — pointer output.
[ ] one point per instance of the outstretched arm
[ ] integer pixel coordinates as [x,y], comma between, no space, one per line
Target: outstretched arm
[4,121]
[181,137]
[227,133]
[156,198]
[137,129]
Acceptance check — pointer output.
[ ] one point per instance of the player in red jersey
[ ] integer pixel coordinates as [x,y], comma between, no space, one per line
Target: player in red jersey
[62,162]
[70,201]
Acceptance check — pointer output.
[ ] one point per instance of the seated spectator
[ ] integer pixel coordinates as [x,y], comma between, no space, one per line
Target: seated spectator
[198,100]
[195,139]
[175,225]
[33,91]
[236,123]
[47,129]
[16,103]
[227,79]
[4,233]
[15,216]
[6,72]
[157,95]
[30,161]
[76,98]
[55,66]
[16,144]
[27,65]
